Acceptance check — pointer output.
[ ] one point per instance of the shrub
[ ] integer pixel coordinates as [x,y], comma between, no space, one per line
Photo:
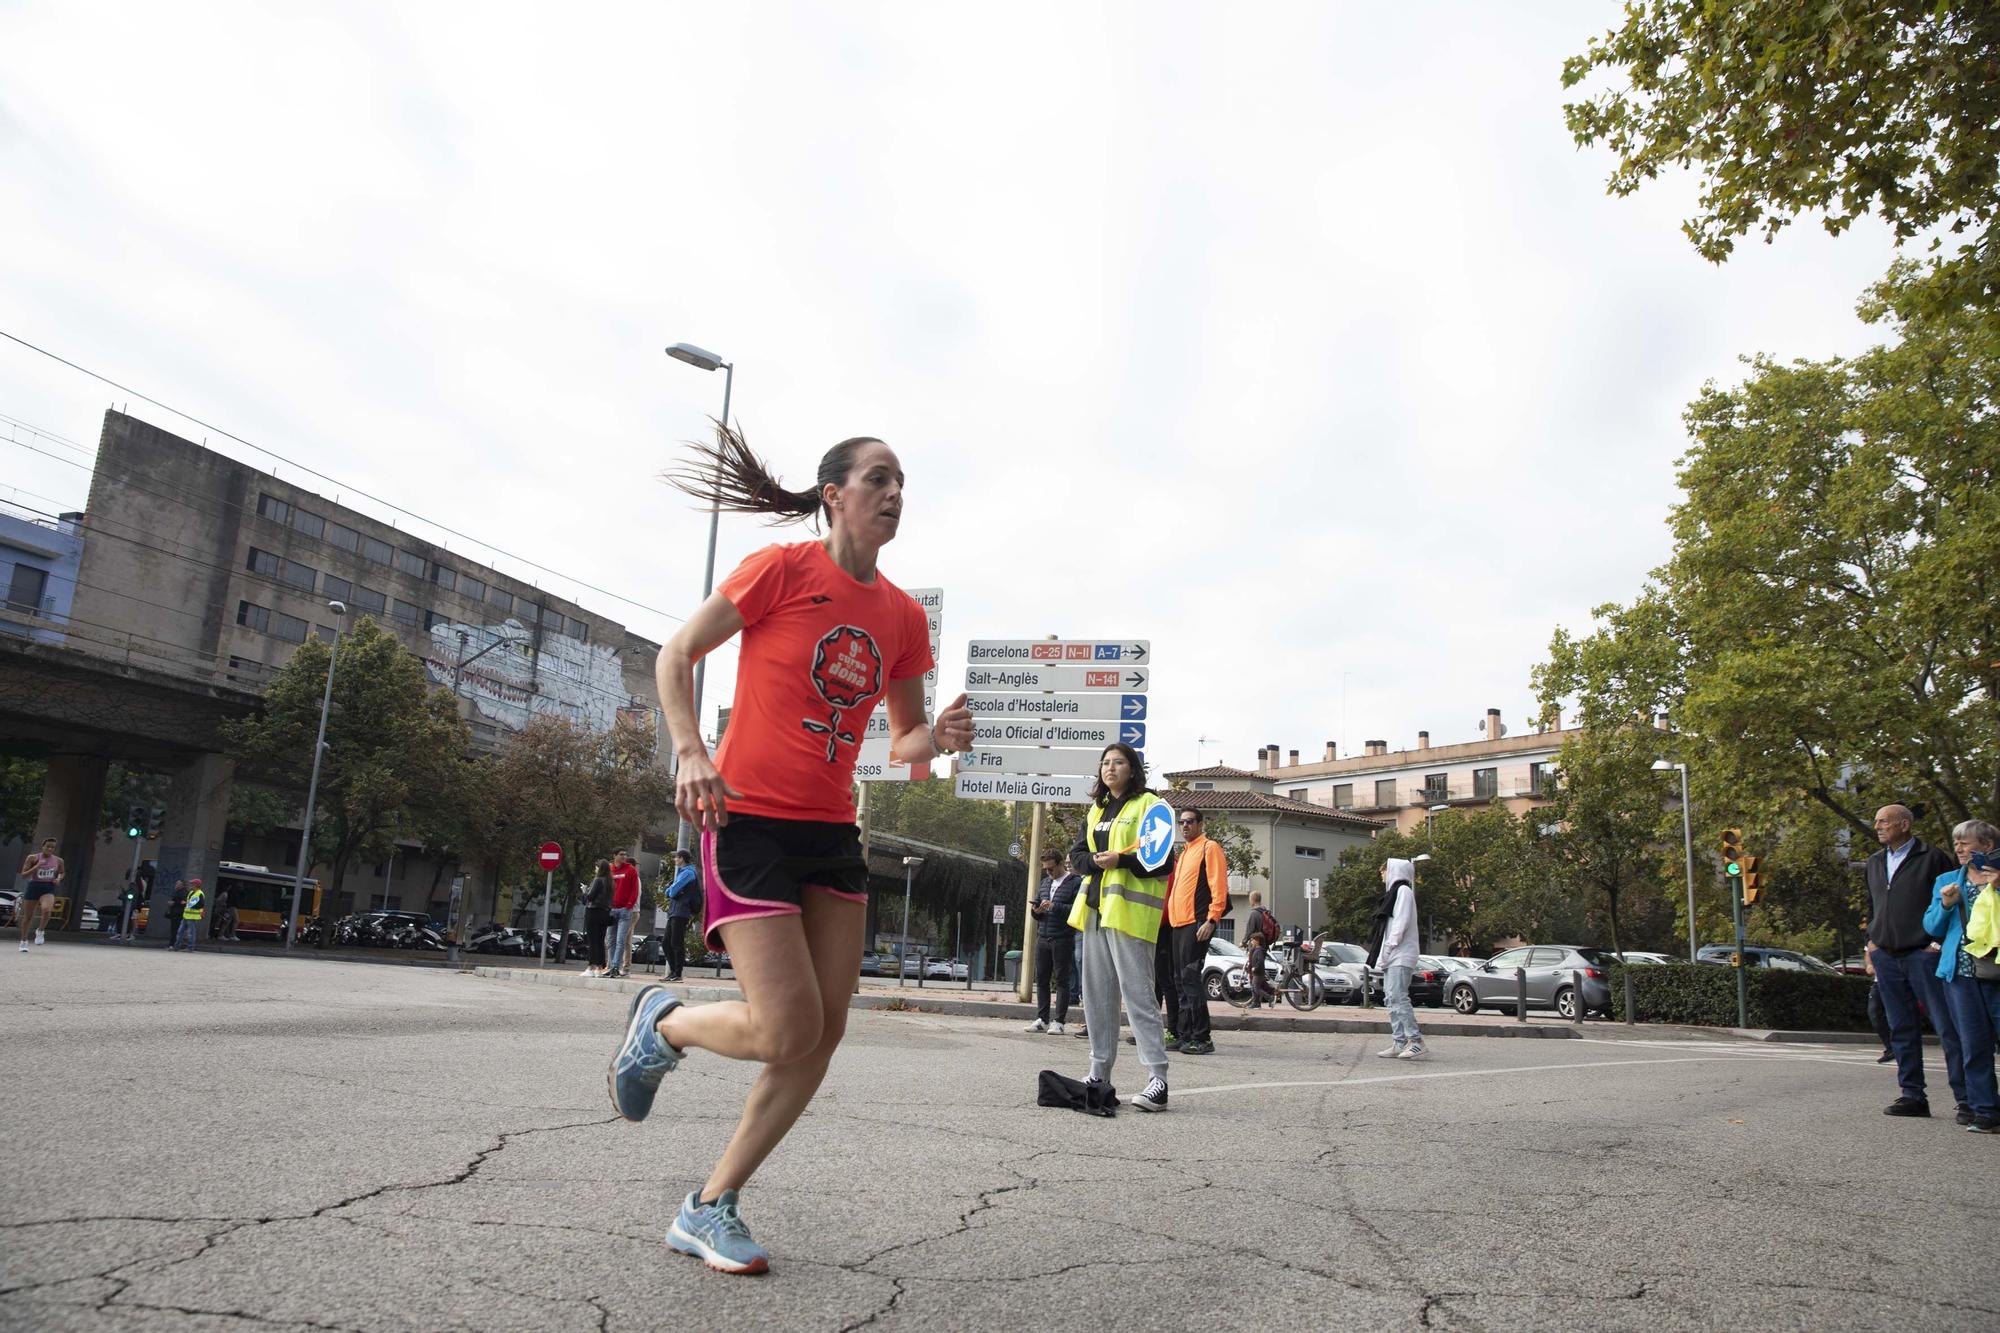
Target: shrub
[1703,994]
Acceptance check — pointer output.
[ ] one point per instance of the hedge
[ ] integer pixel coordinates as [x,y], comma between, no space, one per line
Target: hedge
[1705,995]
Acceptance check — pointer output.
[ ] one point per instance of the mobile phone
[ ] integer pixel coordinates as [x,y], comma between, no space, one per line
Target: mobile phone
[1986,860]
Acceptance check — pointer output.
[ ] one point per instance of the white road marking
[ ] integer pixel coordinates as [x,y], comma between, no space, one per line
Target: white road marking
[1445,1073]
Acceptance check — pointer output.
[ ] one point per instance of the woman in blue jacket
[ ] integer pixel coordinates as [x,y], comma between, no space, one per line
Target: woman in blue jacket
[1972,1002]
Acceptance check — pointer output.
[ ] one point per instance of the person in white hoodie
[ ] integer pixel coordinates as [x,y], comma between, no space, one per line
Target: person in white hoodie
[1395,952]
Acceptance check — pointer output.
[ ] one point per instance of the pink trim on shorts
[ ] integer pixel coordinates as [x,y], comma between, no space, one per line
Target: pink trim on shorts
[724,906]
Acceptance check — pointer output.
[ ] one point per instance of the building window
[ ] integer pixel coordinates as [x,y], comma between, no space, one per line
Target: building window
[552,621]
[1343,796]
[370,600]
[1437,787]
[299,576]
[379,552]
[444,578]
[403,613]
[325,633]
[412,563]
[1299,794]
[471,589]
[289,628]
[578,630]
[251,616]
[262,562]
[271,507]
[503,602]
[1541,779]
[312,525]
[1485,783]
[1204,786]
[342,536]
[1309,853]
[432,620]
[25,589]
[1385,793]
[336,588]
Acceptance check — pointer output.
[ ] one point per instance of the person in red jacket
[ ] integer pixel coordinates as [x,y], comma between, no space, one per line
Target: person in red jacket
[624,909]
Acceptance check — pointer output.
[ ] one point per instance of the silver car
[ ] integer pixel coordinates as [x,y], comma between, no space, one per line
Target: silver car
[1551,974]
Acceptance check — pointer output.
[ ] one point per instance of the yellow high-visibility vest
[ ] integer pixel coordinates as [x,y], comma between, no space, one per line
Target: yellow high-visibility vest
[196,906]
[1125,903]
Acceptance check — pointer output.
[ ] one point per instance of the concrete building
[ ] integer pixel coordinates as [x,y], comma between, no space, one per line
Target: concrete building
[38,573]
[1296,840]
[201,569]
[1403,787]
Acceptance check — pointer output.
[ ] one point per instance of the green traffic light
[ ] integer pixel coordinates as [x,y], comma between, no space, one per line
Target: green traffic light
[1733,869]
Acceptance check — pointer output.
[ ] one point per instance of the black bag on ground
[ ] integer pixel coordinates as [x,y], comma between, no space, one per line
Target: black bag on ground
[1089,1098]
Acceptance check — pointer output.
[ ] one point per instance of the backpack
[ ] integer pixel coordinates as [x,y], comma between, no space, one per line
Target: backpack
[1263,923]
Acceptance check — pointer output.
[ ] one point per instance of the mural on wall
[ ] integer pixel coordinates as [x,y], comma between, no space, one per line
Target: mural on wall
[509,679]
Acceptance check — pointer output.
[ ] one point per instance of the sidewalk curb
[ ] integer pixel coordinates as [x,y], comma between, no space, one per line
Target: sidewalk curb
[929,1002]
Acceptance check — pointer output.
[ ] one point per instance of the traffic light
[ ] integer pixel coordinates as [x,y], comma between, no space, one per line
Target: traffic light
[135,822]
[155,822]
[1753,882]
[1732,852]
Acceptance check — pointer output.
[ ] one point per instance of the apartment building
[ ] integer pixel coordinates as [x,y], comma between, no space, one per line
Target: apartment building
[1402,788]
[38,572]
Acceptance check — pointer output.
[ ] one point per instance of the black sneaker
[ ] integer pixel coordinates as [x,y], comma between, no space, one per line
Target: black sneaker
[1984,1124]
[1197,1046]
[1908,1106]
[1173,1043]
[1887,1057]
[1154,1098]
[1963,1115]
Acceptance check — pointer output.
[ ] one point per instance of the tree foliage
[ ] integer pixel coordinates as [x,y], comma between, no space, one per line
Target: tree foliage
[932,812]
[393,744]
[1848,108]
[1600,832]
[22,781]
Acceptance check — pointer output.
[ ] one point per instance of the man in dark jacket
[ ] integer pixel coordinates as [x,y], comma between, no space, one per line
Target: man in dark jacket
[1054,941]
[1900,876]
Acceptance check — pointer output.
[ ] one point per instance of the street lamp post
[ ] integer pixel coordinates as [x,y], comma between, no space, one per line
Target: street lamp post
[1687,842]
[1430,817]
[704,360]
[339,610]
[910,864]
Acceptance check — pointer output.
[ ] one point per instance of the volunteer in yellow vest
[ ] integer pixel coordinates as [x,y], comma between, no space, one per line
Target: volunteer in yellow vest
[1118,912]
[192,912]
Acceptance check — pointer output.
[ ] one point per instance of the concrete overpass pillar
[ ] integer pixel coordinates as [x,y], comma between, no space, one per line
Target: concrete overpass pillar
[72,802]
[191,840]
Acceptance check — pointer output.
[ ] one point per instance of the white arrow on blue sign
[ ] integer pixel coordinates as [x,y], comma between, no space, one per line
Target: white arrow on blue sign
[1101,707]
[1043,731]
[1156,836]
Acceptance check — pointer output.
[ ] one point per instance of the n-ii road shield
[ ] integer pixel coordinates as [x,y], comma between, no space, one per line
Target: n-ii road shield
[1059,790]
[1045,731]
[1111,679]
[1001,652]
[1101,707]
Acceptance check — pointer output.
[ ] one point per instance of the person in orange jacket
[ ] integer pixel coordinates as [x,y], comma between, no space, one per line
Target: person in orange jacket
[1195,903]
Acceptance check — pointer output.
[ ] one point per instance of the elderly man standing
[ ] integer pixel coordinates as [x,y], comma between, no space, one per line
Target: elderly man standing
[1900,877]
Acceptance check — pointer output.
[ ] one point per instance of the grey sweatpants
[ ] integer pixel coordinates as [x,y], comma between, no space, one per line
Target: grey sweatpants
[1116,966]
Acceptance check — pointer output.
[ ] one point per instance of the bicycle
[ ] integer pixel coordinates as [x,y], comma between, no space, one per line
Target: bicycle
[1296,983]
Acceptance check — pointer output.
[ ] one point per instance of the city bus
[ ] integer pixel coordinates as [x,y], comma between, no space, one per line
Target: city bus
[262,898]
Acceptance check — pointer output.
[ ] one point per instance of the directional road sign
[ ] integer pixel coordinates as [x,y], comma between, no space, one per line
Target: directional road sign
[1066,790]
[1156,836]
[873,764]
[1002,652]
[1043,731]
[1009,760]
[1100,707]
[1114,679]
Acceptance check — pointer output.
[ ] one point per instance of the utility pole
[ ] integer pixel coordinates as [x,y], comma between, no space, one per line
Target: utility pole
[1025,984]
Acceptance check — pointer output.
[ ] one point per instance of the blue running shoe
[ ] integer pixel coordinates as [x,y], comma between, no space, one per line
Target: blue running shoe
[644,1058]
[714,1233]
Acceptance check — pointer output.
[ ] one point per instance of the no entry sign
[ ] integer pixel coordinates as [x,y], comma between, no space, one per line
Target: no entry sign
[551,856]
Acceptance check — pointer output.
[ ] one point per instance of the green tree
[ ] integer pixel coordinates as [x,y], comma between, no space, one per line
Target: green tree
[392,745]
[1848,108]
[932,812]
[255,809]
[22,781]
[1603,825]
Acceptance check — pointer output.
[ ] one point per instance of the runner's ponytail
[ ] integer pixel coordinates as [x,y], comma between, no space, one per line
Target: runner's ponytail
[729,476]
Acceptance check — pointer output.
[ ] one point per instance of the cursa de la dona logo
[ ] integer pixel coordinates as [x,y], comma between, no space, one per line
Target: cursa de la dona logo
[847,673]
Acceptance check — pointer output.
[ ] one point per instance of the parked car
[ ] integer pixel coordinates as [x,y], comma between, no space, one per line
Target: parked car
[1427,982]
[1343,970]
[1756,955]
[1551,970]
[1633,956]
[1854,965]
[7,900]
[878,965]
[89,919]
[945,969]
[1455,961]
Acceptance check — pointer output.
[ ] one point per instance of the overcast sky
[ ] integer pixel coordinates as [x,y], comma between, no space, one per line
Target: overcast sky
[1298,339]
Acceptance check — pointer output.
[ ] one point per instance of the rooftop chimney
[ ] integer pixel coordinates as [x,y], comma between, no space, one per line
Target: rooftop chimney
[1494,731]
[1378,747]
[1332,753]
[1423,740]
[1293,761]
[1263,759]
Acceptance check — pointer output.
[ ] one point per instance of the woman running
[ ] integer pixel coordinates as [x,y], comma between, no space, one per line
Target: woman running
[824,637]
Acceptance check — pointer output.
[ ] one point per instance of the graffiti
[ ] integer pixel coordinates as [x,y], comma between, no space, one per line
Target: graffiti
[510,679]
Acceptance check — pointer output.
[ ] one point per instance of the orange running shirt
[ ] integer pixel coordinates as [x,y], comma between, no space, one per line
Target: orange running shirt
[818,650]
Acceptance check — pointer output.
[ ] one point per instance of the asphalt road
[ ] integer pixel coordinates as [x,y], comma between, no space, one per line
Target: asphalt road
[222,1142]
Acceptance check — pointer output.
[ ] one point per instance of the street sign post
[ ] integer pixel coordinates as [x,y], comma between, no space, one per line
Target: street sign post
[1121,707]
[1312,892]
[1072,790]
[983,652]
[1048,731]
[999,914]
[1041,676]
[1008,760]
[551,857]
[874,763]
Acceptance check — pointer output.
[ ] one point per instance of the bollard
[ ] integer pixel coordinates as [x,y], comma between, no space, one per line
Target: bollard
[1576,980]
[923,966]
[1521,994]
[1630,1016]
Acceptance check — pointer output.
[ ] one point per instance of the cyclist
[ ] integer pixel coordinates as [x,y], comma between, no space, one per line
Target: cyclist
[825,637]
